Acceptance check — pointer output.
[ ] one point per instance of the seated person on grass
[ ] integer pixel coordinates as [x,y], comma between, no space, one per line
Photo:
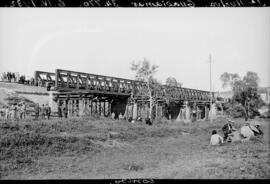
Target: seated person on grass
[246,132]
[228,129]
[121,117]
[215,138]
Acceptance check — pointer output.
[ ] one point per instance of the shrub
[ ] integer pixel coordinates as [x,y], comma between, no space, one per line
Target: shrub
[134,166]
[236,111]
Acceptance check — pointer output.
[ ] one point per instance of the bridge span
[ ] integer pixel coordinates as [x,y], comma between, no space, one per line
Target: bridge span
[85,94]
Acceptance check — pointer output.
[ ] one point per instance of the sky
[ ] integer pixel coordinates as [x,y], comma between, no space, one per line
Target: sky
[106,41]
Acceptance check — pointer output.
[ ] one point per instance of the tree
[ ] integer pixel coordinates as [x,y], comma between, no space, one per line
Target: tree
[171,81]
[245,91]
[145,72]
[229,79]
[251,79]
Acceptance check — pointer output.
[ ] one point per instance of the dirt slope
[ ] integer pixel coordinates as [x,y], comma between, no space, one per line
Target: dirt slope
[31,94]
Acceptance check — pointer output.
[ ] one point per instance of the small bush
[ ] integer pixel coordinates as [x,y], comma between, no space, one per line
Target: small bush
[134,166]
[235,110]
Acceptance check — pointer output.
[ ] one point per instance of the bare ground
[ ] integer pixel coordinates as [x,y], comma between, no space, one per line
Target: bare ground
[163,151]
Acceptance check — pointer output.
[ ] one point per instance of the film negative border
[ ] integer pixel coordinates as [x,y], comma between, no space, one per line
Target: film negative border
[134,3]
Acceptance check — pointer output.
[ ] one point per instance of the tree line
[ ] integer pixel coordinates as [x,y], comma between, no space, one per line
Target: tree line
[245,100]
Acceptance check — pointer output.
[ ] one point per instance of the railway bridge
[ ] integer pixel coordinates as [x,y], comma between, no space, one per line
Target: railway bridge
[88,94]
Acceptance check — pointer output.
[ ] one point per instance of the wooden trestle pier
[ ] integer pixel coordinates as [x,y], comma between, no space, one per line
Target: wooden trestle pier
[87,94]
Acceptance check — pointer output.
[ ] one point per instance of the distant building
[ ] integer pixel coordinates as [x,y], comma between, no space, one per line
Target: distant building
[265,94]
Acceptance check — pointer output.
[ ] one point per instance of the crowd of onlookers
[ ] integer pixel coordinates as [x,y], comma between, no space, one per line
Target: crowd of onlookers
[17,78]
[15,111]
[10,77]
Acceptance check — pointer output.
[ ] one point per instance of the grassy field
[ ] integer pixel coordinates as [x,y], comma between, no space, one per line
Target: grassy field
[100,148]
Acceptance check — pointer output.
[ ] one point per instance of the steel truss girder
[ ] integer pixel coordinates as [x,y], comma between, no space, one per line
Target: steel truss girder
[72,81]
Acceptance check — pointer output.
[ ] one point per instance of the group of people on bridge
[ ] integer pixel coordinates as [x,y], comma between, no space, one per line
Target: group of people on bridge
[16,77]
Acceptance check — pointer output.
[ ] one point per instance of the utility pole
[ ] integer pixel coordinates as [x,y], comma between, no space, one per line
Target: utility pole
[210,62]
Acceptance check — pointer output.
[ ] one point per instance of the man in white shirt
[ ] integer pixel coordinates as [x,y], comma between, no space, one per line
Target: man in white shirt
[215,138]
[121,117]
[7,113]
[246,132]
[113,115]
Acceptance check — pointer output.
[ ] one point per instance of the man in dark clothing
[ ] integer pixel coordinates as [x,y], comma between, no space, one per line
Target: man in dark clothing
[48,111]
[48,87]
[129,119]
[9,76]
[43,111]
[59,111]
[148,121]
[228,129]
[65,111]
[13,77]
[37,111]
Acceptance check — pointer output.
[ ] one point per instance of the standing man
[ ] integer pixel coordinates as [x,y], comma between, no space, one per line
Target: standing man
[77,110]
[48,85]
[59,111]
[113,115]
[7,112]
[198,113]
[121,117]
[19,111]
[43,112]
[13,111]
[48,111]
[65,111]
[8,76]
[193,114]
[37,111]
[23,108]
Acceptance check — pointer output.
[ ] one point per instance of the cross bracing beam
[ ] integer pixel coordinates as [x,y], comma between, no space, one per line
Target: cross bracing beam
[42,78]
